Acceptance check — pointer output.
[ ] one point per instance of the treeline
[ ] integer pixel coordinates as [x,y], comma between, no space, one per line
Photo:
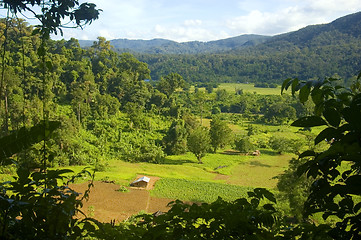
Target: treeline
[270,64]
[313,52]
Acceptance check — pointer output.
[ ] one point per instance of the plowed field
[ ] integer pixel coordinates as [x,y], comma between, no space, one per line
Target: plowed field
[106,203]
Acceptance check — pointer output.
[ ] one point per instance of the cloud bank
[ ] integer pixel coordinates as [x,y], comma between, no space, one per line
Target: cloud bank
[202,20]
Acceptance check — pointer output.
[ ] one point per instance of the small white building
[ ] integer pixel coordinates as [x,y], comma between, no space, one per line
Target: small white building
[141,182]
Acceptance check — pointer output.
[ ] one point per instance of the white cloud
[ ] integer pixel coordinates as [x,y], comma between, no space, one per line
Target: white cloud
[334,6]
[202,20]
[290,18]
[187,33]
[196,22]
[266,22]
[105,33]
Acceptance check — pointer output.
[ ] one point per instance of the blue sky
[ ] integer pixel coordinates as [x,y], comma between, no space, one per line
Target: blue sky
[206,20]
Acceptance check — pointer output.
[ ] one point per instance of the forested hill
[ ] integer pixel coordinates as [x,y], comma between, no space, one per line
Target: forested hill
[323,34]
[163,46]
[316,51]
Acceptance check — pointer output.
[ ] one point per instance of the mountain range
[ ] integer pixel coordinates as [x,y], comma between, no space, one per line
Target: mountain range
[164,46]
[314,51]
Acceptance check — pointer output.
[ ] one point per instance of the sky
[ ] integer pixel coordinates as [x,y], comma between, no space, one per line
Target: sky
[207,20]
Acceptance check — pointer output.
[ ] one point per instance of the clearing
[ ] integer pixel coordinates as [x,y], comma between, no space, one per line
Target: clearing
[106,203]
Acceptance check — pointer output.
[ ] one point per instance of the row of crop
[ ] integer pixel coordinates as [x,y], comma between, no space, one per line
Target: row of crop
[198,191]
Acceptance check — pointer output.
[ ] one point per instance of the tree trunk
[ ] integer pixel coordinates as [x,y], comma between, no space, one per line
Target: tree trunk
[199,160]
[6,113]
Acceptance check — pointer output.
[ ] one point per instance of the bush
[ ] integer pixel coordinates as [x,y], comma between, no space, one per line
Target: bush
[280,144]
[244,145]
[146,151]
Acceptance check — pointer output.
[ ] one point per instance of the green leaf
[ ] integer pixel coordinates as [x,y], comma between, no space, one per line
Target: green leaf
[35,31]
[255,202]
[295,85]
[317,96]
[308,153]
[332,116]
[269,207]
[310,121]
[269,196]
[251,194]
[285,84]
[353,184]
[304,93]
[41,51]
[327,134]
[357,207]
[49,65]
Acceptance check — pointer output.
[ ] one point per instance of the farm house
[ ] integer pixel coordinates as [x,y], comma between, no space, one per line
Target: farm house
[140,182]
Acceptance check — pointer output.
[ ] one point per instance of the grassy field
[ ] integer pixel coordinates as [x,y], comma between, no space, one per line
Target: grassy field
[249,88]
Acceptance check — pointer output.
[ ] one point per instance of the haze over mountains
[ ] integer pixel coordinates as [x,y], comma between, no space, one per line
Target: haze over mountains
[349,25]
[164,46]
[315,51]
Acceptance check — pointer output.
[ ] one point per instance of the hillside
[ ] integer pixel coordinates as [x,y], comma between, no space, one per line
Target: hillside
[163,46]
[311,52]
[315,51]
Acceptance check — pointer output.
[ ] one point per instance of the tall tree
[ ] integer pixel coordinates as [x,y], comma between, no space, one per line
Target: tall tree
[175,141]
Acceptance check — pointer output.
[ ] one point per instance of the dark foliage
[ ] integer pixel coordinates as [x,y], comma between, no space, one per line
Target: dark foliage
[336,189]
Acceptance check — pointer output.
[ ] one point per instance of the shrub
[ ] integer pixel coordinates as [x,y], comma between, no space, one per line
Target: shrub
[244,145]
[280,144]
[145,151]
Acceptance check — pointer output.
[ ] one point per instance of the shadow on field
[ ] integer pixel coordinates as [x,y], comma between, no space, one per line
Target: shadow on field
[268,152]
[176,161]
[259,164]
[231,152]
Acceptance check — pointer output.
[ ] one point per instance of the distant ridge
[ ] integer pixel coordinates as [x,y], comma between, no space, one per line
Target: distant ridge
[312,52]
[165,46]
[349,25]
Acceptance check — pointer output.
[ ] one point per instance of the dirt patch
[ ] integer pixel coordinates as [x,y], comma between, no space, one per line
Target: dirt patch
[221,177]
[106,203]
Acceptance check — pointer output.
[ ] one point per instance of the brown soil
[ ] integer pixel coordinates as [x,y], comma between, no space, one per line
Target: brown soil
[221,177]
[106,203]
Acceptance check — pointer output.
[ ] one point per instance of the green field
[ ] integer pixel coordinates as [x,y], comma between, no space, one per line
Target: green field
[194,190]
[249,88]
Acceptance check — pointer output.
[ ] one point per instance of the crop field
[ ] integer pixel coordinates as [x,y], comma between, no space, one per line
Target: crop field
[198,191]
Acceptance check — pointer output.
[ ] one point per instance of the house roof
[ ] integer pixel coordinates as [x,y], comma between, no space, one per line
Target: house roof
[142,179]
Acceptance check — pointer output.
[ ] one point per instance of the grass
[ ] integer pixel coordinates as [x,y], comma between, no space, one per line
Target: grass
[249,88]
[198,191]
